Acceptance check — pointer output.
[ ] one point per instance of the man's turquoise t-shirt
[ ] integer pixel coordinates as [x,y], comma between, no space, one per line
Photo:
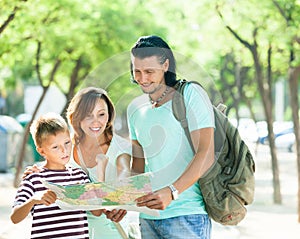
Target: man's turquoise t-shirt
[166,148]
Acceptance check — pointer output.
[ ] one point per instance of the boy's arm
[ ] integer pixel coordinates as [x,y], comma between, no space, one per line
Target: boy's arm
[20,212]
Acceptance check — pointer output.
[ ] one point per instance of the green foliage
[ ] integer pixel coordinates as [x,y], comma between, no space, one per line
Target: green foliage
[91,35]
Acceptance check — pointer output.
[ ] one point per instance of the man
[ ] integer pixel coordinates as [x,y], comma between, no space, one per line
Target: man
[160,145]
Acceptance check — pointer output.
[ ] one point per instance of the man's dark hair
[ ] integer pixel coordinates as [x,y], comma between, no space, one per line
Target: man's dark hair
[147,46]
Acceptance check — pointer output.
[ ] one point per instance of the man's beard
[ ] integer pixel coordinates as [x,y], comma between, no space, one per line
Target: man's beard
[151,91]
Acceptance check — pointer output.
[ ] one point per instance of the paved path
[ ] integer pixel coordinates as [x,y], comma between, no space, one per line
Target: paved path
[263,221]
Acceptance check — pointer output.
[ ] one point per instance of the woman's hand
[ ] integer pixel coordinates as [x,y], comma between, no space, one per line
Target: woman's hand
[159,199]
[31,169]
[115,215]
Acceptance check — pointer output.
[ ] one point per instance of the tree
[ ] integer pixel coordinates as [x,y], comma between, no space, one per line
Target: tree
[72,38]
[290,12]
[264,85]
[45,86]
[11,15]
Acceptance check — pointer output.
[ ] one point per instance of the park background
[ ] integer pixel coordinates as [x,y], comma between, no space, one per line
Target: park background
[245,53]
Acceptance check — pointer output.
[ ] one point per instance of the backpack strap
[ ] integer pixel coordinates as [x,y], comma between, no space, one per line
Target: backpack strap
[179,110]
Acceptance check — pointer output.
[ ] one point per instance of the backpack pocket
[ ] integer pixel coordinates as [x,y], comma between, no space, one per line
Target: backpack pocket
[222,205]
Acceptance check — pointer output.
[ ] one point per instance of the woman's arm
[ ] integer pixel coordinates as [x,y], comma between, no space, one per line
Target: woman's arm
[123,164]
[138,160]
[102,161]
[31,169]
[97,213]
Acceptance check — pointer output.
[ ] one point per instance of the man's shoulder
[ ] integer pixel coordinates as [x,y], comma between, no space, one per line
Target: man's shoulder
[142,99]
[194,89]
[138,102]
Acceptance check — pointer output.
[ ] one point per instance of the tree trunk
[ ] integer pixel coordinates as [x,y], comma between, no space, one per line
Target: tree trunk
[294,75]
[265,91]
[19,164]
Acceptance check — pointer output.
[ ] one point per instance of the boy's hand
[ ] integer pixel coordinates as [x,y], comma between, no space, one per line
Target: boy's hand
[48,197]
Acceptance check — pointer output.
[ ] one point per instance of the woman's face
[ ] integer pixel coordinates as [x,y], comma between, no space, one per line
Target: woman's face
[94,124]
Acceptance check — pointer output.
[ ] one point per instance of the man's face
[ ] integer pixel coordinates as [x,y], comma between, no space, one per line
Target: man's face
[149,73]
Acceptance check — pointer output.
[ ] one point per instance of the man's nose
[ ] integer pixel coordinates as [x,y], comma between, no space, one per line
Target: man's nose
[143,78]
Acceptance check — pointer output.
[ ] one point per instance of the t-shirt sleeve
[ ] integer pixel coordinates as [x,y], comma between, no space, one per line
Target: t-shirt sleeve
[199,108]
[24,193]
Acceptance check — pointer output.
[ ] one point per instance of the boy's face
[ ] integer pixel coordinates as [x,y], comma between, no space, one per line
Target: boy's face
[56,149]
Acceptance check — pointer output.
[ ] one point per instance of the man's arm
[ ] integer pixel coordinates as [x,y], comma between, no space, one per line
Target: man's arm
[203,141]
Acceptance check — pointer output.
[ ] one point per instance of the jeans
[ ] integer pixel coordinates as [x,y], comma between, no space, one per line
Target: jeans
[196,226]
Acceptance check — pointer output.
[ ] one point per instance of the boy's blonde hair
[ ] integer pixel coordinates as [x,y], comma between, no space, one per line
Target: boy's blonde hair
[47,124]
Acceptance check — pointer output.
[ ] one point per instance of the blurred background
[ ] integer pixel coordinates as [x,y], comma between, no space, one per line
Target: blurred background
[245,53]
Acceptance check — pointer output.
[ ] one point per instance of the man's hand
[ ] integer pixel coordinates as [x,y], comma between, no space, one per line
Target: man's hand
[157,200]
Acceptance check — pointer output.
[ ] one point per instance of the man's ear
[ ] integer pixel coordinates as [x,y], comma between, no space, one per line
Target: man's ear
[166,65]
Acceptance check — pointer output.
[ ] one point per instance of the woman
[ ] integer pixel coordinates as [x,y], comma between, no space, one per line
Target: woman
[104,155]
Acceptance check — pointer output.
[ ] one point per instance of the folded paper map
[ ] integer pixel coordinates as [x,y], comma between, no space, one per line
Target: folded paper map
[109,195]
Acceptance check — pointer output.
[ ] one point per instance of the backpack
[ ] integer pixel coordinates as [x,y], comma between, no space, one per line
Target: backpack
[229,184]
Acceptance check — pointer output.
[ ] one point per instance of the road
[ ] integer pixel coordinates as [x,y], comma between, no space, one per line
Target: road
[264,219]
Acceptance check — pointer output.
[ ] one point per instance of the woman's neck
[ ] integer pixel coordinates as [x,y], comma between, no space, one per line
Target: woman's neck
[94,145]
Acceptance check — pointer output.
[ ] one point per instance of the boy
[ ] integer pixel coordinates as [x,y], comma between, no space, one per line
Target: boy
[52,139]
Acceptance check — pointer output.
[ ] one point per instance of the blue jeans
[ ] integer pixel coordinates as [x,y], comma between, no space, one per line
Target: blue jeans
[196,226]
